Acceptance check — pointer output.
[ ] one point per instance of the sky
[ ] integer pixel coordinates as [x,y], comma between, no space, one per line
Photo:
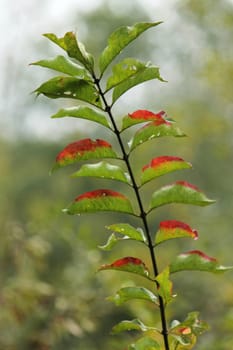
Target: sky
[22,23]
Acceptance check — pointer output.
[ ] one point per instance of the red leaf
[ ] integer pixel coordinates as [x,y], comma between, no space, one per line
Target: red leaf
[80,147]
[156,162]
[147,115]
[127,260]
[128,264]
[173,225]
[187,184]
[99,194]
[201,254]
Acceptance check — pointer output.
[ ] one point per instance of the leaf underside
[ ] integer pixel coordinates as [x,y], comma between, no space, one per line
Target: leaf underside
[103,170]
[130,293]
[198,261]
[179,192]
[83,113]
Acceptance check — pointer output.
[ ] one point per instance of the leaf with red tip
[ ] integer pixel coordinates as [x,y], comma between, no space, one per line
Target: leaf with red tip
[179,192]
[162,165]
[171,229]
[141,116]
[128,264]
[84,149]
[130,293]
[103,170]
[165,286]
[83,113]
[198,261]
[100,200]
[155,129]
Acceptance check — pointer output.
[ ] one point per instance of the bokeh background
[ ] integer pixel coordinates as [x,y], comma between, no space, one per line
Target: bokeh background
[50,295]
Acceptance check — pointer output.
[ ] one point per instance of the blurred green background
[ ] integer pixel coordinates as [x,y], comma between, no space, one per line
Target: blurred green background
[50,294]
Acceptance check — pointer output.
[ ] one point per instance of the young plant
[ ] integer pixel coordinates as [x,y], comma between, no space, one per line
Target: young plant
[82,81]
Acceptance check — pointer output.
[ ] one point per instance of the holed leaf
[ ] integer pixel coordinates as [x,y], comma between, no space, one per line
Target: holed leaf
[70,87]
[142,74]
[171,229]
[64,65]
[128,264]
[119,39]
[128,231]
[129,293]
[100,200]
[84,149]
[74,48]
[187,331]
[123,71]
[132,325]
[158,128]
[165,286]
[103,170]
[142,116]
[162,165]
[83,113]
[145,343]
[197,260]
[179,192]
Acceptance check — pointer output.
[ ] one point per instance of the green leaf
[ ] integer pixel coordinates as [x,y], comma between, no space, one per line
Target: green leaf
[99,201]
[153,130]
[64,65]
[179,192]
[74,48]
[83,113]
[198,261]
[145,343]
[123,71]
[142,116]
[132,325]
[162,165]
[171,229]
[149,72]
[112,241]
[103,170]
[129,293]
[119,39]
[67,87]
[84,149]
[129,231]
[128,264]
[165,286]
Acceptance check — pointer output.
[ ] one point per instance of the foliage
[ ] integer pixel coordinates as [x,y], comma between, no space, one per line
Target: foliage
[82,83]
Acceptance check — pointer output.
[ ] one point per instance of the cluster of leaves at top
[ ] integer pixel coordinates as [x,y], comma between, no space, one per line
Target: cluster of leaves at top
[81,82]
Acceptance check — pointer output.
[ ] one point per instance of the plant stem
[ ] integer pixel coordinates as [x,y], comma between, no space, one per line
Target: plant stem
[164,331]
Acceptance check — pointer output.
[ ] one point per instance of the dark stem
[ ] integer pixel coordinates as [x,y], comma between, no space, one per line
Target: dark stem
[164,331]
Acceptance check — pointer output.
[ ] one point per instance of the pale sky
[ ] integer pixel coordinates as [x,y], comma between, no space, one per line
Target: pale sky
[22,24]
